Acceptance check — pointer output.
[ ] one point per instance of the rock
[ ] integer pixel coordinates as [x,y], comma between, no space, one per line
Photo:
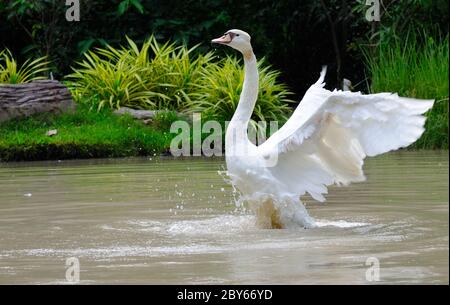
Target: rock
[137,114]
[146,116]
[51,133]
[40,96]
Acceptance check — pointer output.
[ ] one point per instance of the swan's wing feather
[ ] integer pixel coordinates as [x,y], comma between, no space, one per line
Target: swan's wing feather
[330,133]
[380,122]
[303,122]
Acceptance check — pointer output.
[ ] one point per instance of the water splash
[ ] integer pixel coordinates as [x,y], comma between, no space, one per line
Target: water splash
[340,224]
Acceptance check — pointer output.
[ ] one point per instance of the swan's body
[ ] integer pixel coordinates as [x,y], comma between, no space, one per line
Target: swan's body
[323,143]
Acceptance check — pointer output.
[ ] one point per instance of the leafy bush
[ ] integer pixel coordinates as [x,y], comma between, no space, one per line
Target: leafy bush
[153,77]
[12,73]
[109,80]
[221,86]
[170,77]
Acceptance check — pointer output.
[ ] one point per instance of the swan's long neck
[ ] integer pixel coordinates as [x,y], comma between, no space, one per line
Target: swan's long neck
[247,100]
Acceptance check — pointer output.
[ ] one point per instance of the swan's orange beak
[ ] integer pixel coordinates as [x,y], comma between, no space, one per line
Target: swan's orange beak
[225,39]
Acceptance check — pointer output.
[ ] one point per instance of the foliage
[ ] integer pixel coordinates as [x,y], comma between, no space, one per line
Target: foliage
[125,5]
[221,87]
[163,120]
[166,76]
[174,73]
[109,80]
[397,18]
[12,73]
[295,36]
[153,77]
[39,27]
[416,69]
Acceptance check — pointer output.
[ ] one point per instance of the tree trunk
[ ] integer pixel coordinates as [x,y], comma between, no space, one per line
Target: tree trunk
[39,96]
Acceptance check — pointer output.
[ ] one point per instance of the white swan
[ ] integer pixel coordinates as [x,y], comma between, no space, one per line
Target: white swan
[324,142]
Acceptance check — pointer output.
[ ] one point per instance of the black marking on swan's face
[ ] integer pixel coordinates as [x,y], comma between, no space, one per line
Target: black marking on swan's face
[231,36]
[235,39]
[225,39]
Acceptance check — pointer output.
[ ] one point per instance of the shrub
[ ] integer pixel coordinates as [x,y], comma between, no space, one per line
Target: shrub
[170,77]
[221,86]
[30,70]
[153,77]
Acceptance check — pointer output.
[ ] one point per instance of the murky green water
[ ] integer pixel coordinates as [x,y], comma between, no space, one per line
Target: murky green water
[165,221]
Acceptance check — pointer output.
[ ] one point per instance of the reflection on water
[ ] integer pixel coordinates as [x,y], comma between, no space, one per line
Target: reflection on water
[174,221]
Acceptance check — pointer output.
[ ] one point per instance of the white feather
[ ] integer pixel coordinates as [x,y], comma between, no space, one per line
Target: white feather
[330,133]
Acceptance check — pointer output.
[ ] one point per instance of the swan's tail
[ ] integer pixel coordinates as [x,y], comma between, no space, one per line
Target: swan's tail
[321,81]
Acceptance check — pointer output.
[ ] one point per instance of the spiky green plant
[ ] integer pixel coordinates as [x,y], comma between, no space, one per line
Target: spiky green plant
[154,76]
[221,86]
[167,76]
[104,79]
[2,70]
[179,75]
[172,73]
[13,73]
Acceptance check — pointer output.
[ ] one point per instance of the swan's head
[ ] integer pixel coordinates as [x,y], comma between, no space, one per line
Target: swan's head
[236,39]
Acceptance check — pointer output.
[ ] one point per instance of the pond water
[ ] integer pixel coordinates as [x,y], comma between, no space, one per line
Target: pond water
[165,221]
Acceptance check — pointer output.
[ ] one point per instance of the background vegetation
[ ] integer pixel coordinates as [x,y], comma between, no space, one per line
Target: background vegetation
[296,37]
[156,54]
[171,77]
[420,70]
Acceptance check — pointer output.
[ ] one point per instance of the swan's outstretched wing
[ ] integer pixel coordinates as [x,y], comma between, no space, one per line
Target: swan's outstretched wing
[330,133]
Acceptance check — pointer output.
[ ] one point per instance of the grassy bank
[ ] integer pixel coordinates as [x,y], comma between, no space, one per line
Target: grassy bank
[417,67]
[82,134]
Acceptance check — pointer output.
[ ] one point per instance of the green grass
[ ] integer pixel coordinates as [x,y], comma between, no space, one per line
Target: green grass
[82,134]
[417,69]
